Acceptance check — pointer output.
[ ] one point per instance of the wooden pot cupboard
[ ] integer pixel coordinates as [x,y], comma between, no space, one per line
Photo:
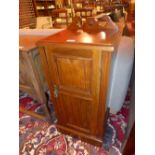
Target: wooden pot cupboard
[77,66]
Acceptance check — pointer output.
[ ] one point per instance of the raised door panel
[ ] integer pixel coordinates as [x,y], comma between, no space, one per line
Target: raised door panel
[67,67]
[74,112]
[75,74]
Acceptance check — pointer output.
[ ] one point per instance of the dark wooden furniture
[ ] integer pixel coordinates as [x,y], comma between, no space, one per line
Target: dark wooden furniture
[84,12]
[44,7]
[60,17]
[31,79]
[26,14]
[130,145]
[76,66]
[131,19]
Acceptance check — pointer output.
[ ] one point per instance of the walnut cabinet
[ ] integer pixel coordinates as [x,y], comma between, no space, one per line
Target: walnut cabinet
[77,72]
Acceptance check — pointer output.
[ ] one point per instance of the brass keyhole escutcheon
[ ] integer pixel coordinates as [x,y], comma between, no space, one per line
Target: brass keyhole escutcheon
[56,91]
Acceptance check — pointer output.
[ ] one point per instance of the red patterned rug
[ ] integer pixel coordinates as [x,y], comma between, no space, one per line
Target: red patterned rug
[39,137]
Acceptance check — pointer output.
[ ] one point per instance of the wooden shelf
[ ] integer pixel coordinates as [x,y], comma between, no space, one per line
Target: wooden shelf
[46,4]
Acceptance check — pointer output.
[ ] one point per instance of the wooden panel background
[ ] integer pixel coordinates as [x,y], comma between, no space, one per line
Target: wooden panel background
[26,14]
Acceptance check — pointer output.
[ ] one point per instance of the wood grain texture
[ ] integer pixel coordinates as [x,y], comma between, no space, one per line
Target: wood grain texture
[26,14]
[29,77]
[84,137]
[78,73]
[80,37]
[69,73]
[105,73]
[33,114]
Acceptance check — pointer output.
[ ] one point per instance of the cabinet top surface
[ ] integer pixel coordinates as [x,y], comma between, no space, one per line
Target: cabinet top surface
[108,38]
[28,42]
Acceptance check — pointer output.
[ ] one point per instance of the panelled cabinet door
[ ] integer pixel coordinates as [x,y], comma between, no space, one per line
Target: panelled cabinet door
[75,79]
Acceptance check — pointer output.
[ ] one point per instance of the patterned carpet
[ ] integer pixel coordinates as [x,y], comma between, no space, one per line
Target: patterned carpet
[39,137]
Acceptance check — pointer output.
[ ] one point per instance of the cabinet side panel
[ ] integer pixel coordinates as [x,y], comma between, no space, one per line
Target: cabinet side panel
[105,72]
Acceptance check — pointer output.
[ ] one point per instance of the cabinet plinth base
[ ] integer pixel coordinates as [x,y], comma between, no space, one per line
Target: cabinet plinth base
[84,137]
